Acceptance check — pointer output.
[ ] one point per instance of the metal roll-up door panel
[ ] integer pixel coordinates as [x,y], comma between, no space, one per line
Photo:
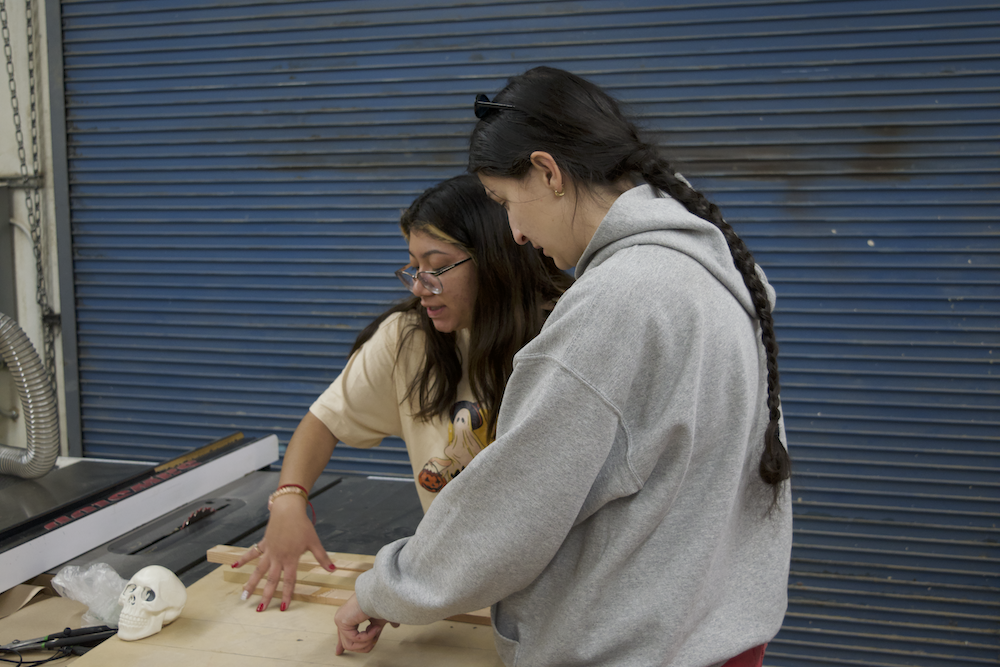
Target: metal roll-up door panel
[237,171]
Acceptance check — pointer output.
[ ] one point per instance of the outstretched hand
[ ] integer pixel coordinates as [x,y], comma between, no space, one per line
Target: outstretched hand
[289,534]
[349,636]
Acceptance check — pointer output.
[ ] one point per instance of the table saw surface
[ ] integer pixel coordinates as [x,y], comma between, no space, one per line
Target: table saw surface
[354,515]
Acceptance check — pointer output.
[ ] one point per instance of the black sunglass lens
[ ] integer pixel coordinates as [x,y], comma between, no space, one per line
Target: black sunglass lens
[479,108]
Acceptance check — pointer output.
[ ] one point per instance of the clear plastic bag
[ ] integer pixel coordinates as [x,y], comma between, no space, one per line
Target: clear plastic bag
[98,587]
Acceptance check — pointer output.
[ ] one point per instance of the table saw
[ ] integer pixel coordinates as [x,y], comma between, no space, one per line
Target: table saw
[353,515]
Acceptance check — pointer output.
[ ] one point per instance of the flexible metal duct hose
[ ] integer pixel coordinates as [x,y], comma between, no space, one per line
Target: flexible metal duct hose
[38,403]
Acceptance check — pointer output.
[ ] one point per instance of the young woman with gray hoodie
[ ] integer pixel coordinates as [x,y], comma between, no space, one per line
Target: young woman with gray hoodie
[635,506]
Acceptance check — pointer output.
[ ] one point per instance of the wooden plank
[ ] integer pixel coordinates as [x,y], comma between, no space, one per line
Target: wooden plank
[305,591]
[315,577]
[481,617]
[319,594]
[313,583]
[227,555]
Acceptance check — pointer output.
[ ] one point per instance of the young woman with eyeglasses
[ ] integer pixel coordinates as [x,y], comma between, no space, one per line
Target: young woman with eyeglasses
[635,506]
[430,370]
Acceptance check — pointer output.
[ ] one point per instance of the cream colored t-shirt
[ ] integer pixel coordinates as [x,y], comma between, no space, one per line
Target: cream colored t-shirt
[366,404]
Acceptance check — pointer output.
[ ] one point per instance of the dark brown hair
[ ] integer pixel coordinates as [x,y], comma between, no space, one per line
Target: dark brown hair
[585,131]
[516,287]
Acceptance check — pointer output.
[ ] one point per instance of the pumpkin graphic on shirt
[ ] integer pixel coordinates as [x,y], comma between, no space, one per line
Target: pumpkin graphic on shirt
[431,476]
[466,437]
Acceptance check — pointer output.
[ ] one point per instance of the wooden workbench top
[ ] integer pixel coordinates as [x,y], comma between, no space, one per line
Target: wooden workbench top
[217,629]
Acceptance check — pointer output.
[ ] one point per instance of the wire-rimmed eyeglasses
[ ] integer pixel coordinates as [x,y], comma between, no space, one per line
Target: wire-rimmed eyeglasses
[429,279]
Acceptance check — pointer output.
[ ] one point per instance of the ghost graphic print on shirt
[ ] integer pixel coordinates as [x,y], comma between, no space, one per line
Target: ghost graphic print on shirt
[466,437]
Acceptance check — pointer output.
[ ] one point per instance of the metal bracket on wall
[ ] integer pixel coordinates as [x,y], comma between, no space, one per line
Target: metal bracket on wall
[23,183]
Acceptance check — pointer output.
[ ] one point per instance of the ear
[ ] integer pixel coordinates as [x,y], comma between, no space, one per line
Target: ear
[548,170]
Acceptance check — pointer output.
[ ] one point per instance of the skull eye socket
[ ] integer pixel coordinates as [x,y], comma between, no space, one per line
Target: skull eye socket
[150,595]
[129,589]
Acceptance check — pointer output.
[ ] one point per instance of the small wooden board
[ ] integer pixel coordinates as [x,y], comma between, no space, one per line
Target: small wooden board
[342,579]
[228,555]
[316,585]
[304,592]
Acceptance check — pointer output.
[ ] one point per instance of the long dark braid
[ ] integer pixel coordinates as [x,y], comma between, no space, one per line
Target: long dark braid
[584,129]
[775,464]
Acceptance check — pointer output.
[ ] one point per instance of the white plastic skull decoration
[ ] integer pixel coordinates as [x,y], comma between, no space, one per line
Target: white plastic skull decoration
[153,598]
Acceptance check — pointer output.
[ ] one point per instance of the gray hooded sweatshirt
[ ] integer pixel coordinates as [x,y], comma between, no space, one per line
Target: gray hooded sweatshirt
[618,518]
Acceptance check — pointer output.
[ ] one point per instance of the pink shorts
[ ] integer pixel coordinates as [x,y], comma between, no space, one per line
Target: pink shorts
[751,658]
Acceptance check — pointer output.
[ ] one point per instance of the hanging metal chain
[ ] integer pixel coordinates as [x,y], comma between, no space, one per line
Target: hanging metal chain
[31,180]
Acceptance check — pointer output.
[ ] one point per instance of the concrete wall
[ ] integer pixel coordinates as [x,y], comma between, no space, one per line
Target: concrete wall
[28,313]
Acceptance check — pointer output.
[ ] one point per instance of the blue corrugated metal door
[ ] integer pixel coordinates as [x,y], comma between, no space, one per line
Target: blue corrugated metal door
[236,175]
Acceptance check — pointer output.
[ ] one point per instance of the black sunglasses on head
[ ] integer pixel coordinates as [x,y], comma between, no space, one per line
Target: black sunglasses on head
[483,106]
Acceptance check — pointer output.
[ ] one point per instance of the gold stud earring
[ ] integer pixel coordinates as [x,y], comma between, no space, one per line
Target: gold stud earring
[558,193]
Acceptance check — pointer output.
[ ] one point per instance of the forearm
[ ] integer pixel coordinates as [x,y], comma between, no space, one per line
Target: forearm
[289,532]
[497,525]
[307,453]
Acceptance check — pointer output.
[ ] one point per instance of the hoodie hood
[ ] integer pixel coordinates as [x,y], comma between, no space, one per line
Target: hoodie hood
[639,217]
